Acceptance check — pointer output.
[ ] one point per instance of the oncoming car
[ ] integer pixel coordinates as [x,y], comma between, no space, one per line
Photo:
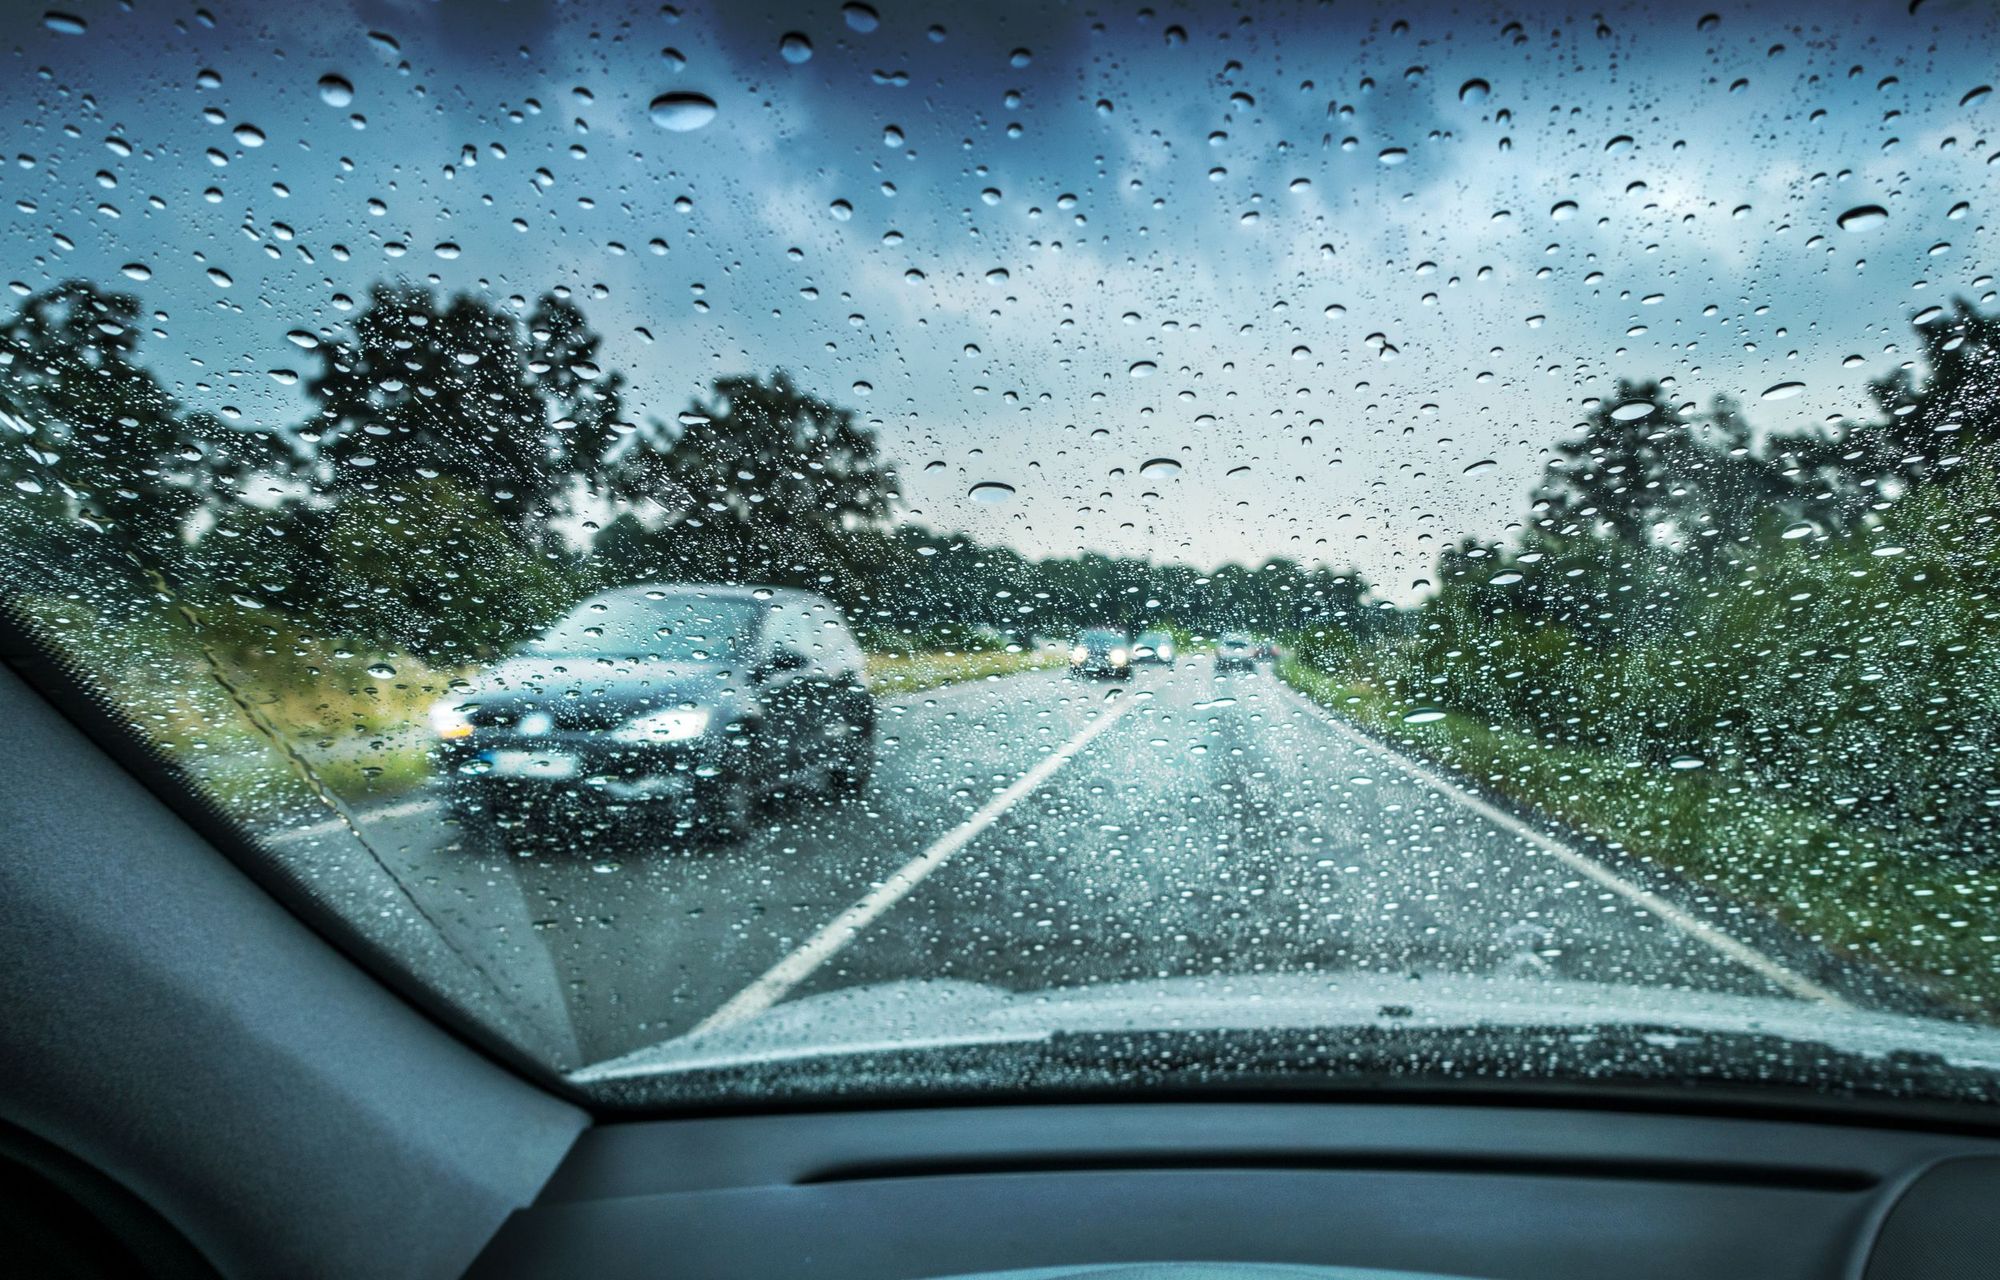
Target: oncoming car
[1101,653]
[1235,652]
[698,701]
[1155,647]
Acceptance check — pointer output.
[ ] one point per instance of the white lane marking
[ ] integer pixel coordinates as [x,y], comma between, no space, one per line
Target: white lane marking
[1741,952]
[815,951]
[363,818]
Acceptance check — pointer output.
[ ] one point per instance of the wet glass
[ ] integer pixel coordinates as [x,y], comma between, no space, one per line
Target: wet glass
[633,508]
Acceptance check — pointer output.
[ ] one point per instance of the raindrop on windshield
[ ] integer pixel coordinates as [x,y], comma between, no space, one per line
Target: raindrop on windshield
[991,491]
[1159,467]
[1784,390]
[795,48]
[1863,217]
[861,17]
[335,91]
[66,23]
[1632,410]
[1143,369]
[1474,90]
[682,112]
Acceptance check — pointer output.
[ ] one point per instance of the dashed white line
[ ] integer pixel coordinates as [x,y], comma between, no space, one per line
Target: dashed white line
[1741,952]
[815,951]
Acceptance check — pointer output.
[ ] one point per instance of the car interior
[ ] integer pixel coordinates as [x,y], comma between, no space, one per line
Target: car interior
[1342,642]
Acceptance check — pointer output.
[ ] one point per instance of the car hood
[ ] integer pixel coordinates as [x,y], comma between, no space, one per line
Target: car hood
[917,1015]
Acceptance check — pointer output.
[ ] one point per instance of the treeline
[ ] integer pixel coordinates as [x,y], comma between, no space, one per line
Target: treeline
[466,471]
[1816,614]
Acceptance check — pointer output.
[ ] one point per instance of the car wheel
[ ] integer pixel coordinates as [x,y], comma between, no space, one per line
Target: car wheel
[850,777]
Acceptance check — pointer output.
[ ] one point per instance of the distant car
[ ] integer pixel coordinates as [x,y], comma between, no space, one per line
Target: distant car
[1153,647]
[1101,654]
[1235,652]
[1267,650]
[696,701]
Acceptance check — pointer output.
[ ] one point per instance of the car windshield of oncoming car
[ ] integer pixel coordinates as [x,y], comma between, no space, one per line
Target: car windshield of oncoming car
[668,628]
[1550,459]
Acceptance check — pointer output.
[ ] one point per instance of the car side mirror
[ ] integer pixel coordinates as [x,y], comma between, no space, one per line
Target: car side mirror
[785,660]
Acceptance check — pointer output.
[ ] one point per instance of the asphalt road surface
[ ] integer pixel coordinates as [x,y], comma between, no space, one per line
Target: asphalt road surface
[1038,832]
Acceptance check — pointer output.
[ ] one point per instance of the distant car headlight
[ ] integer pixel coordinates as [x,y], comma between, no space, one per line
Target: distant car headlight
[1078,654]
[1166,652]
[448,720]
[675,725]
[1118,657]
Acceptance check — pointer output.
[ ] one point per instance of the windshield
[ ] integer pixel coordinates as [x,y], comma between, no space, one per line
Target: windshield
[1553,458]
[654,625]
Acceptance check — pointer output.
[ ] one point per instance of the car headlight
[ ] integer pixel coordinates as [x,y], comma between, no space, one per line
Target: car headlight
[675,725]
[1078,654]
[1118,657]
[448,720]
[1166,652]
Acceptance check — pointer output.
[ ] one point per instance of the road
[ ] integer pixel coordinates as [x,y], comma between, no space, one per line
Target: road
[1038,832]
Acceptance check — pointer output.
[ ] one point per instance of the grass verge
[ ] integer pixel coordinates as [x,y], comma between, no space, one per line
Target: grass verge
[893,673]
[1847,886]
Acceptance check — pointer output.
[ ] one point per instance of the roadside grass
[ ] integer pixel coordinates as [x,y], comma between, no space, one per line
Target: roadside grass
[1843,884]
[893,673]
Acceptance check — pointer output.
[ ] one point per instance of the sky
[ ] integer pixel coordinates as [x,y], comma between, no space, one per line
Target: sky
[1354,269]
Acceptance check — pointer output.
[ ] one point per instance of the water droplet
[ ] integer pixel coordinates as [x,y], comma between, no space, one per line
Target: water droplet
[1974,95]
[1423,715]
[1863,217]
[1802,529]
[136,271]
[1160,467]
[1474,90]
[1563,211]
[249,135]
[220,278]
[1484,464]
[795,48]
[682,112]
[1928,315]
[1784,390]
[864,388]
[860,17]
[335,91]
[997,276]
[1393,155]
[382,671]
[1506,579]
[447,250]
[841,210]
[892,137]
[66,23]
[1632,411]
[991,491]
[1684,763]
[1143,369]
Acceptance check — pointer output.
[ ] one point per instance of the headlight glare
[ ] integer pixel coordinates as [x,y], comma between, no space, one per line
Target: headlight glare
[448,720]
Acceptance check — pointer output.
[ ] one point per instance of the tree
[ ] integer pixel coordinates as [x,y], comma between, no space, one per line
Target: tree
[761,482]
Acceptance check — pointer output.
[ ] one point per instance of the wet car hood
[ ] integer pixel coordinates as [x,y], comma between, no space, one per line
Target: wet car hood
[942,1014]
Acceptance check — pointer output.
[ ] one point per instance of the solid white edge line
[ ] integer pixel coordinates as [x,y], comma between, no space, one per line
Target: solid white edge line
[815,951]
[401,809]
[1741,952]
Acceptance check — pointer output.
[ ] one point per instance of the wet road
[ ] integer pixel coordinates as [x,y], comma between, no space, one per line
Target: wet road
[1039,832]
